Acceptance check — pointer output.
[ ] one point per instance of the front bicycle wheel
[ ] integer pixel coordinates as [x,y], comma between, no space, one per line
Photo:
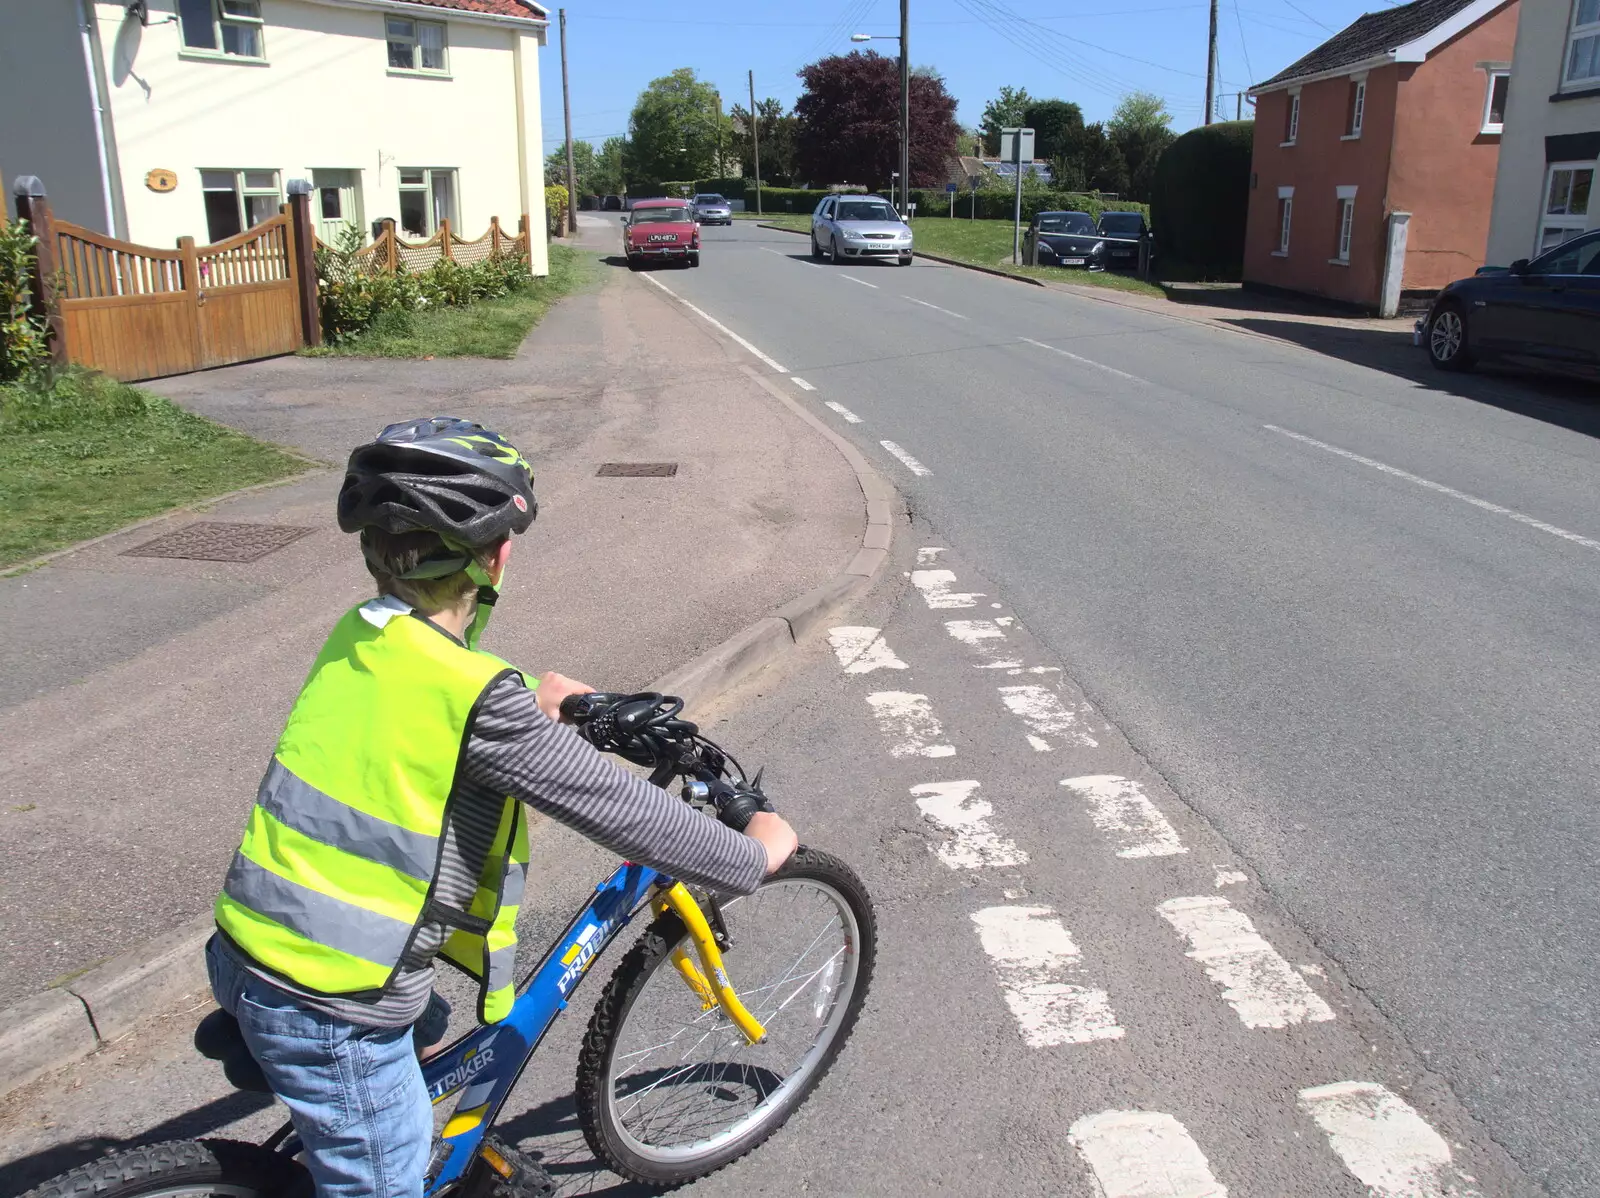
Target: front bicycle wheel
[668,1092]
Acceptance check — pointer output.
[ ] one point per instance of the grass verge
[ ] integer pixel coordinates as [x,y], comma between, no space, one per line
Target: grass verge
[491,328]
[86,455]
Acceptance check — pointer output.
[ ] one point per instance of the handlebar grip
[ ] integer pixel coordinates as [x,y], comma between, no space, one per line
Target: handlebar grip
[736,807]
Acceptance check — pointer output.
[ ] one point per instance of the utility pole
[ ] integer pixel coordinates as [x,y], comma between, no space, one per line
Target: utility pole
[755,139]
[1238,106]
[1211,67]
[718,171]
[905,105]
[566,114]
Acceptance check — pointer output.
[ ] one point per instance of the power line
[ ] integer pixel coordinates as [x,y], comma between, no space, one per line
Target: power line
[1243,49]
[1307,15]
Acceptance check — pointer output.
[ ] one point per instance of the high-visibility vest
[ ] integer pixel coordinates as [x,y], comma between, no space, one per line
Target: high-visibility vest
[342,856]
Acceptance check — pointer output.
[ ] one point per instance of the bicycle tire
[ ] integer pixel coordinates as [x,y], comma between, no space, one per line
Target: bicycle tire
[176,1167]
[596,1113]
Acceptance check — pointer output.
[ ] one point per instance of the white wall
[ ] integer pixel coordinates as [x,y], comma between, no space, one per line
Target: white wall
[1530,117]
[46,120]
[324,98]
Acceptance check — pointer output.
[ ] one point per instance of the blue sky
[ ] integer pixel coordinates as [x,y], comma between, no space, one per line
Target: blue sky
[1090,51]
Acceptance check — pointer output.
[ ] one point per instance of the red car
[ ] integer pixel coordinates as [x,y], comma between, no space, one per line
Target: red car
[659,231]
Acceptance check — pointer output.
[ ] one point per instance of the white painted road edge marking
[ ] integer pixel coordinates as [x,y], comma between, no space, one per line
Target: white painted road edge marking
[715,323]
[929,554]
[1123,811]
[1258,983]
[909,723]
[1132,378]
[863,282]
[801,383]
[936,592]
[1042,710]
[935,307]
[906,460]
[1498,509]
[862,650]
[1032,952]
[849,416]
[973,844]
[1143,1154]
[1385,1144]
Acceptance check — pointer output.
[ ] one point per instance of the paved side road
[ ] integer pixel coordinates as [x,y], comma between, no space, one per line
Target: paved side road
[1081,989]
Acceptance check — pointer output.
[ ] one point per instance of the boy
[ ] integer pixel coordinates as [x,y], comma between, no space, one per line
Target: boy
[389,827]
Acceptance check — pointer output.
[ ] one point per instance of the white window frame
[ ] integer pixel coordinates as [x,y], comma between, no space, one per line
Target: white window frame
[226,13]
[1292,133]
[429,175]
[414,40]
[1581,31]
[1285,221]
[1490,125]
[1576,222]
[1346,199]
[1358,108]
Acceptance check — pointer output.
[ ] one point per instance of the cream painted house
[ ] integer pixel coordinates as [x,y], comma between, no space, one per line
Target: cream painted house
[1551,141]
[155,119]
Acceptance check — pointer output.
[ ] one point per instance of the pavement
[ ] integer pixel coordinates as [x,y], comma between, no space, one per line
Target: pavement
[1218,748]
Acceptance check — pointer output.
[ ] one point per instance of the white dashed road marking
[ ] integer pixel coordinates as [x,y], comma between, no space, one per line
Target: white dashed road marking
[801,383]
[1385,1144]
[935,307]
[862,650]
[1509,513]
[849,416]
[1121,809]
[906,460]
[769,250]
[863,282]
[1258,983]
[979,636]
[936,593]
[1042,710]
[1228,877]
[909,723]
[1033,954]
[714,323]
[1143,1154]
[1123,374]
[929,554]
[973,843]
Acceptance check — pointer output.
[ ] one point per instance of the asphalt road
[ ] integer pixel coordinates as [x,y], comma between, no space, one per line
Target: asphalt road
[1349,616]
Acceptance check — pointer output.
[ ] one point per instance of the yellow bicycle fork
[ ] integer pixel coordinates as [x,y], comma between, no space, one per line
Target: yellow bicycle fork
[708,980]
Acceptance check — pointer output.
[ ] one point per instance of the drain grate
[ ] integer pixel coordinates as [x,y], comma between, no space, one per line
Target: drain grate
[211,541]
[637,470]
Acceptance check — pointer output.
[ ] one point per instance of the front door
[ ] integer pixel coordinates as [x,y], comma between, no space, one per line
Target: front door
[336,202]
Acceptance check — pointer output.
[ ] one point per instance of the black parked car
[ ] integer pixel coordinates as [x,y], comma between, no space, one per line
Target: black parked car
[1127,228]
[611,203]
[1065,239]
[1543,314]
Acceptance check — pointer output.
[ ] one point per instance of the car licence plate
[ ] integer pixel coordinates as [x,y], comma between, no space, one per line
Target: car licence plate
[663,237]
[1072,262]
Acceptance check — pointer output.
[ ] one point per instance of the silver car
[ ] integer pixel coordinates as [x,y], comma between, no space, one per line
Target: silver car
[851,226]
[712,210]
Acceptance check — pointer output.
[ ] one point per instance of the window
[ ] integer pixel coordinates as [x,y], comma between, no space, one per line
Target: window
[1291,125]
[1566,203]
[427,196]
[415,45]
[238,200]
[1580,257]
[1583,52]
[222,27]
[1347,221]
[331,203]
[1285,217]
[1358,103]
[1494,101]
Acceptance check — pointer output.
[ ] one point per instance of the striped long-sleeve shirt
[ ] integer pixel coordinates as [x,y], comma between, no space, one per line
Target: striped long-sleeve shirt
[513,749]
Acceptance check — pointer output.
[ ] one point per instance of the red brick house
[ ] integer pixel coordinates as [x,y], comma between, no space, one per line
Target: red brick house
[1373,168]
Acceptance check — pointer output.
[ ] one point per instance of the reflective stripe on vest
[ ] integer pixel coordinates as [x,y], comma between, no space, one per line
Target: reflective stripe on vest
[344,850]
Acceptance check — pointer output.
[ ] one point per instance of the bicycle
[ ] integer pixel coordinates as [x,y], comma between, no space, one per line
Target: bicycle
[711,1078]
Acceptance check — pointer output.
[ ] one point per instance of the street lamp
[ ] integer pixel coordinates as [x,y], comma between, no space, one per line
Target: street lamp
[905,96]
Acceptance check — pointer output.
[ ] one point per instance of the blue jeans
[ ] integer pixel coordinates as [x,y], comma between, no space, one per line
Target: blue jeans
[355,1093]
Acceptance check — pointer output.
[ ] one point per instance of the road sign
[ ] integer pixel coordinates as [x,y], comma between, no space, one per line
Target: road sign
[949,186]
[1016,145]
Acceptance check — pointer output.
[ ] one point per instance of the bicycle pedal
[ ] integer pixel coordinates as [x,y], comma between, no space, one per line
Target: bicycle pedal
[513,1173]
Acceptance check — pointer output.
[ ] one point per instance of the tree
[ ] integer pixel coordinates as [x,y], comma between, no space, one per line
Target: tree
[1139,112]
[1055,125]
[1090,161]
[1141,129]
[776,128]
[1201,197]
[583,165]
[673,132]
[1006,110]
[848,122]
[609,178]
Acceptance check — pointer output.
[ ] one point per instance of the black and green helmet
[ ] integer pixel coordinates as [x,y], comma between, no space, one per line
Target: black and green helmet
[442,474]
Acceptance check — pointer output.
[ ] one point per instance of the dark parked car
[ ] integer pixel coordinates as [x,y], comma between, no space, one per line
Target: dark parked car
[1543,314]
[611,203]
[1126,228]
[1065,239]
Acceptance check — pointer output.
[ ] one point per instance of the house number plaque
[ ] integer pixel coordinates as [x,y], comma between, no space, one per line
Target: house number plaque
[161,179]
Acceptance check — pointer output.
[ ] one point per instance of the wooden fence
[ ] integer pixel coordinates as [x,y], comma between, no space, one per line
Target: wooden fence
[389,253]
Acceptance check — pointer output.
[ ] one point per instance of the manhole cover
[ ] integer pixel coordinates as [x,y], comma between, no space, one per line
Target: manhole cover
[216,542]
[637,470]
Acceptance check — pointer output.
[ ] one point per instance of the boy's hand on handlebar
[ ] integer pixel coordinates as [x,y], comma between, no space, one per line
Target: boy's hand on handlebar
[775,835]
[553,688]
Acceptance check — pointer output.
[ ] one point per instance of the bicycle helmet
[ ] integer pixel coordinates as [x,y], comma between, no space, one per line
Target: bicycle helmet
[441,474]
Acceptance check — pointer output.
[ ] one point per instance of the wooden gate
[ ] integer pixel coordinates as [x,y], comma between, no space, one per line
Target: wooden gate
[137,312]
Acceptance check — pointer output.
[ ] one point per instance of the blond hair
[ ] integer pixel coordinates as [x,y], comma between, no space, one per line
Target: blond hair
[390,555]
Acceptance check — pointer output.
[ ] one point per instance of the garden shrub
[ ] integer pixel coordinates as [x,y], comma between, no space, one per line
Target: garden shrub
[1201,198]
[24,347]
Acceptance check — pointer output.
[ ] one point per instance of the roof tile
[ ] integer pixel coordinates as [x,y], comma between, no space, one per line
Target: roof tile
[525,9]
[1371,34]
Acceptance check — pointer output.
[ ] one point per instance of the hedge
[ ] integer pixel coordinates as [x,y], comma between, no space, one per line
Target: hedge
[994,204]
[791,199]
[1201,197]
